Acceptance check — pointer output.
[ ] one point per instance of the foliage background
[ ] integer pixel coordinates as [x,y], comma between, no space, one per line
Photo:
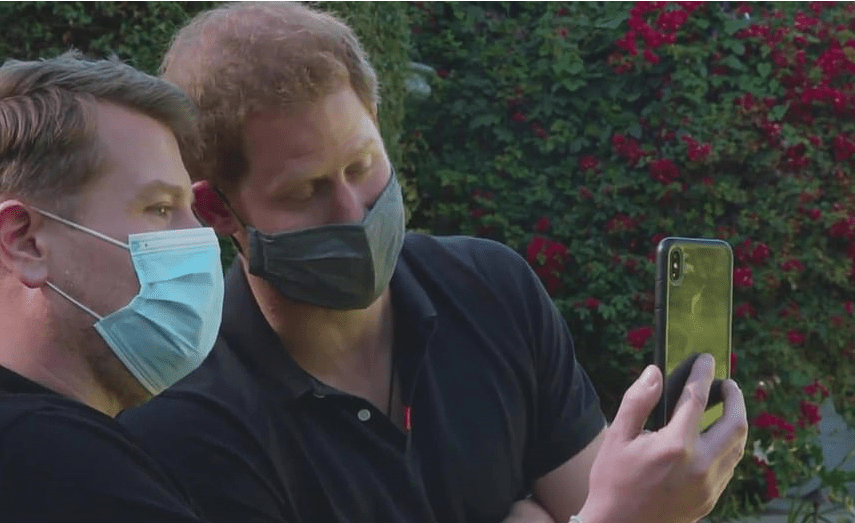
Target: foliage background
[582,133]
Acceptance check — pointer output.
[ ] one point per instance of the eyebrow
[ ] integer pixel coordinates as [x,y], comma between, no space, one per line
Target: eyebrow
[158,187]
[304,177]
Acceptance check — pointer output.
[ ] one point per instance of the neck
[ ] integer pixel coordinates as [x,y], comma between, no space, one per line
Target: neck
[54,361]
[350,350]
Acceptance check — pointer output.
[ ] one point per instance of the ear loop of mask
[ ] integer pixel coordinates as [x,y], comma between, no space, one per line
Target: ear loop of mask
[72,300]
[229,205]
[86,230]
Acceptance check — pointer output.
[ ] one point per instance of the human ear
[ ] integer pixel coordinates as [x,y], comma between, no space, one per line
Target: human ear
[22,246]
[213,210]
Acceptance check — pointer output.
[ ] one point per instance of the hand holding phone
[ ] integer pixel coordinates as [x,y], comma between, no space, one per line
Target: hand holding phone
[676,381]
[694,287]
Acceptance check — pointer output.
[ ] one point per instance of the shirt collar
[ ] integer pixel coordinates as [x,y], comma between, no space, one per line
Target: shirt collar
[13,382]
[246,330]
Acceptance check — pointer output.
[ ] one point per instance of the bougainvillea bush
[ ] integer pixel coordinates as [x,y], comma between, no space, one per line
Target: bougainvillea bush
[580,134]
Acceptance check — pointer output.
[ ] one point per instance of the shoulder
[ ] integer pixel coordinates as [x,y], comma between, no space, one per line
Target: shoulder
[42,425]
[467,249]
[466,260]
[83,463]
[220,398]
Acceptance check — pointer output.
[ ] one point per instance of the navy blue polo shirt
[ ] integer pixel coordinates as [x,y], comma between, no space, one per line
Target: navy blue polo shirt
[493,394]
[62,461]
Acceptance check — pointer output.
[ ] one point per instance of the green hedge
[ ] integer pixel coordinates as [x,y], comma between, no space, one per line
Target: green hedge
[140,32]
[582,133]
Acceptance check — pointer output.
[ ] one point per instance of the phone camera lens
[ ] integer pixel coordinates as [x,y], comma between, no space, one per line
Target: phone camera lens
[675,265]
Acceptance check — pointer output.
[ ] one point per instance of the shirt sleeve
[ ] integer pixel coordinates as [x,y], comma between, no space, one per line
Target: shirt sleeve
[65,467]
[567,413]
[569,416]
[213,455]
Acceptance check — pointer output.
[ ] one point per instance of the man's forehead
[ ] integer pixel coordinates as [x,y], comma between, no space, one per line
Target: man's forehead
[159,187]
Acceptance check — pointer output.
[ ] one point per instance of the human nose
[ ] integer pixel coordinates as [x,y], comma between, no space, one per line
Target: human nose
[346,205]
[186,219]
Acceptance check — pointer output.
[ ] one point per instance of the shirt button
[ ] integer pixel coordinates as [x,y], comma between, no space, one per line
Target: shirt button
[319,395]
[364,415]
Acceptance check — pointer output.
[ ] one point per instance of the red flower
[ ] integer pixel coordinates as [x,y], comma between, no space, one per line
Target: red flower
[746,101]
[651,57]
[843,148]
[779,427]
[809,413]
[588,162]
[627,43]
[795,337]
[760,253]
[585,193]
[664,171]
[742,277]
[816,388]
[733,360]
[760,394]
[627,148]
[592,303]
[843,228]
[695,151]
[849,306]
[518,116]
[442,73]
[746,310]
[771,484]
[814,214]
[542,224]
[792,264]
[548,258]
[671,21]
[638,337]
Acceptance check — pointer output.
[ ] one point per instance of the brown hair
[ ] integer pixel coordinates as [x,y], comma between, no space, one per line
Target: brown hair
[48,140]
[244,57]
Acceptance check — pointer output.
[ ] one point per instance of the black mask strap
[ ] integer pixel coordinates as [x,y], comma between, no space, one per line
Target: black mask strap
[232,209]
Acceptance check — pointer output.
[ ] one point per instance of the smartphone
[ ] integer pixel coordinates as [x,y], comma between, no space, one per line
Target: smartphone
[693,315]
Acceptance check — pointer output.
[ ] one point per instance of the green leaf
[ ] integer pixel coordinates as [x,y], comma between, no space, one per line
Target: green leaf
[735,25]
[777,113]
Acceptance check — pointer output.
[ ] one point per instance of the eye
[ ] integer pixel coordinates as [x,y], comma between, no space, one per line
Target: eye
[360,168]
[161,210]
[303,193]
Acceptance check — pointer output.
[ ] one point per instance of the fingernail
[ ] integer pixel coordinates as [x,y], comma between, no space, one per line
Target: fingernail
[647,375]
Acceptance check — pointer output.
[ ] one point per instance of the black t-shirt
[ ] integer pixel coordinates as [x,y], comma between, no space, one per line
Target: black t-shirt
[494,400]
[62,461]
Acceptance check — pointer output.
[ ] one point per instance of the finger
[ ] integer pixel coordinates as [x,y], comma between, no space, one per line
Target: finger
[637,404]
[716,394]
[675,381]
[730,433]
[693,401]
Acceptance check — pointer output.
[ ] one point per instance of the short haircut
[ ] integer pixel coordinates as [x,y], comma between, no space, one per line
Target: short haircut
[49,147]
[245,57]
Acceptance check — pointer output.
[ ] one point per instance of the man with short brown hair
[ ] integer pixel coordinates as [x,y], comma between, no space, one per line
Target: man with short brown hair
[110,291]
[365,374]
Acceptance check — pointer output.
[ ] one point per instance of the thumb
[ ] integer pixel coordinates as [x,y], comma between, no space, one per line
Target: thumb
[638,403]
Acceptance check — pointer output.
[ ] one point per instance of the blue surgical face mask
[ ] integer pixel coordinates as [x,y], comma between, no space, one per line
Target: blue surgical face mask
[340,266]
[168,329]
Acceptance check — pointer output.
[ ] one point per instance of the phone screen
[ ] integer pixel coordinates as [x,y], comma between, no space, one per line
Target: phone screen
[694,306]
